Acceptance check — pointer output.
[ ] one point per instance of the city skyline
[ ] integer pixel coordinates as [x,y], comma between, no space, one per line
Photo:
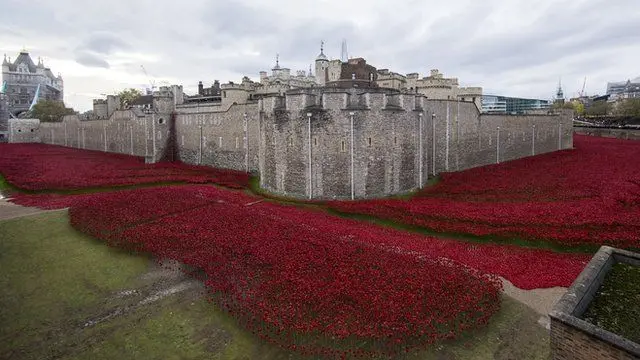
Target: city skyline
[488,44]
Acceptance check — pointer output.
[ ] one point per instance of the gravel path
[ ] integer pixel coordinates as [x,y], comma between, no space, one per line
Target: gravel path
[10,210]
[540,300]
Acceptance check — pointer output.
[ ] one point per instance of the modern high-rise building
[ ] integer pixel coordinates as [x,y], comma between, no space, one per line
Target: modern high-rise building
[495,104]
[23,78]
[629,89]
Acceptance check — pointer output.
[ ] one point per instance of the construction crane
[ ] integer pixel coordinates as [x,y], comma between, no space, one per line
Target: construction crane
[584,83]
[151,81]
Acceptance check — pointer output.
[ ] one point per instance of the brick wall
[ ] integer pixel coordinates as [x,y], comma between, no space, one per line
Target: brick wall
[575,338]
[568,343]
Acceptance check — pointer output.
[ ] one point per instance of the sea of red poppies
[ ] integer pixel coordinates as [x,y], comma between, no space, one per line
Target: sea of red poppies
[50,167]
[590,195]
[319,284]
[307,281]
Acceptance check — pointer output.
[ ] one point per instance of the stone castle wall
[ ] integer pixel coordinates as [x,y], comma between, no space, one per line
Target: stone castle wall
[126,132]
[221,140]
[390,154]
[24,130]
[316,162]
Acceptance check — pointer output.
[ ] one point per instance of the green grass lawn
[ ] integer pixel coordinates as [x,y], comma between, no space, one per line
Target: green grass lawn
[4,185]
[616,305]
[55,279]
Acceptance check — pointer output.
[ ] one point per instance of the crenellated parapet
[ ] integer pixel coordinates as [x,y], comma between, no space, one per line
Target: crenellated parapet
[232,86]
[343,99]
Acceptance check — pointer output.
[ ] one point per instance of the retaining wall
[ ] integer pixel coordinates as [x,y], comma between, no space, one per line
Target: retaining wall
[627,134]
[577,339]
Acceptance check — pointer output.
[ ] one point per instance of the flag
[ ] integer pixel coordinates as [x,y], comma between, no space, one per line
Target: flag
[35,98]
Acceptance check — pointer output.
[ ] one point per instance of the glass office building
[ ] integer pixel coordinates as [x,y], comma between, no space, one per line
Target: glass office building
[494,104]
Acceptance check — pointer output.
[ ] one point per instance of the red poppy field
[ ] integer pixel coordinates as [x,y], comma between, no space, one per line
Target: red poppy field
[589,195]
[49,167]
[325,285]
[306,281]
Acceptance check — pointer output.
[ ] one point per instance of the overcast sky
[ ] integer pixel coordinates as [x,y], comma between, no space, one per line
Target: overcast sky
[509,47]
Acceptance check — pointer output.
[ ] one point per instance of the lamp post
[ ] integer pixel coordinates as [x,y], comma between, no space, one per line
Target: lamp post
[351,114]
[498,146]
[420,151]
[131,134]
[246,143]
[309,146]
[446,145]
[559,135]
[146,138]
[153,135]
[200,155]
[260,150]
[533,141]
[433,155]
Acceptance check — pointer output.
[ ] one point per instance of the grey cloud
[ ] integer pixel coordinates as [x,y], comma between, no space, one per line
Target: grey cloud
[93,49]
[103,43]
[237,19]
[572,38]
[91,60]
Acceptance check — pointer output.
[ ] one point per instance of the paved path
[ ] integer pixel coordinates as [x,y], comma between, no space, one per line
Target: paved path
[11,211]
[540,300]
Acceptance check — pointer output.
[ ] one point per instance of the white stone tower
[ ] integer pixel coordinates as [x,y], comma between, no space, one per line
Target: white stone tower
[322,63]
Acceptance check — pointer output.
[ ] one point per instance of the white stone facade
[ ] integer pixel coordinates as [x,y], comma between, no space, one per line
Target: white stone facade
[23,77]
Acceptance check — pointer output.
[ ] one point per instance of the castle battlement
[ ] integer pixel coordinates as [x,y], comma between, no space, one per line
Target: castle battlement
[342,99]
[232,86]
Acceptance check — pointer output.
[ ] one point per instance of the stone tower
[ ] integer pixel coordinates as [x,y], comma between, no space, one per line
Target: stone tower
[23,78]
[559,93]
[322,63]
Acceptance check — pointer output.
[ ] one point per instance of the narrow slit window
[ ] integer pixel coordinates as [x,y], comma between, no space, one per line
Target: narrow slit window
[342,146]
[369,141]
